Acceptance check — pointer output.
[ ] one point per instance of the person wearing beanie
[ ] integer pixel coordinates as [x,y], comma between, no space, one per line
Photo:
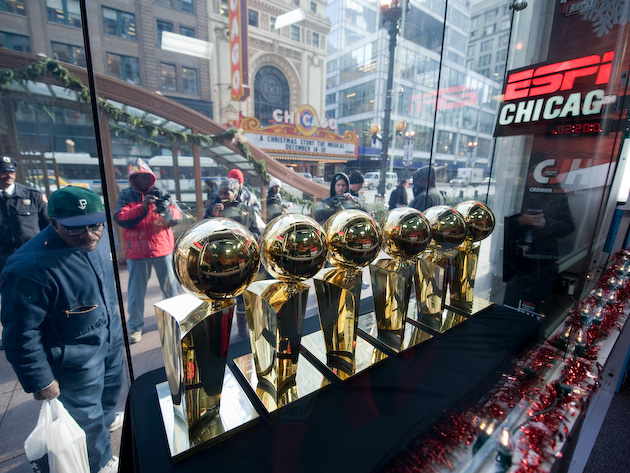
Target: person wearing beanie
[146,215]
[356,182]
[245,195]
[22,211]
[62,329]
[275,205]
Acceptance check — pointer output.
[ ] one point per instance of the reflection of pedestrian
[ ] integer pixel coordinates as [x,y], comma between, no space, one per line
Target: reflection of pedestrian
[425,193]
[230,206]
[246,196]
[339,199]
[22,211]
[275,205]
[356,183]
[531,243]
[146,215]
[398,197]
[211,192]
[62,330]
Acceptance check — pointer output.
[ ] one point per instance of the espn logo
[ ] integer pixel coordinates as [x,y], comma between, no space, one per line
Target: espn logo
[560,76]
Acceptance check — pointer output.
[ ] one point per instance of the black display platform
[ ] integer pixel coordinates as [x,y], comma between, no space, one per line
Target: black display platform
[357,426]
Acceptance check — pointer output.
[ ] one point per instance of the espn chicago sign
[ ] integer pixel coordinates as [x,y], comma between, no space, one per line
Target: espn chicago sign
[566,90]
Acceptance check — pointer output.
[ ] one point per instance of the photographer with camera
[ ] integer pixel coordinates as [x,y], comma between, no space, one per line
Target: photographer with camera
[146,215]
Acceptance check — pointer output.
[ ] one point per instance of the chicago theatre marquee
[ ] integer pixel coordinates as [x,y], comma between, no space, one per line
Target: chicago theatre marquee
[269,67]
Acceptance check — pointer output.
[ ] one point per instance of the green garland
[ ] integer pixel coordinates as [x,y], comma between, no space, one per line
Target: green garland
[47,66]
[308,204]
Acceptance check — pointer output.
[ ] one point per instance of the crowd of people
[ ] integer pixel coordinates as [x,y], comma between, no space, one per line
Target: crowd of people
[62,331]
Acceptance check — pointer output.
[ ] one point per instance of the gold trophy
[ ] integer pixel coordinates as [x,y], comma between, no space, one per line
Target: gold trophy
[461,282]
[406,232]
[294,248]
[214,260]
[448,230]
[354,241]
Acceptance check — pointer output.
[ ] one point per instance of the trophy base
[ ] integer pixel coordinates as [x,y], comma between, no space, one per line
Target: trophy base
[308,380]
[469,309]
[439,323]
[391,341]
[236,413]
[365,357]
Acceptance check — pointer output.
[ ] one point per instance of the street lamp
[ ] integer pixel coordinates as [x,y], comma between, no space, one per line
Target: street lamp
[391,12]
[471,152]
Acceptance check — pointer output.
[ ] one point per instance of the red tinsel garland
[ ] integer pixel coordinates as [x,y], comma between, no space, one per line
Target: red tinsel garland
[551,406]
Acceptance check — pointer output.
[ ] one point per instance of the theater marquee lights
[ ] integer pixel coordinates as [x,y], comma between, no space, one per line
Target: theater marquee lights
[539,96]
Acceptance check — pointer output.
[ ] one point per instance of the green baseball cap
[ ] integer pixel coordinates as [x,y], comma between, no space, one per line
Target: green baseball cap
[76,206]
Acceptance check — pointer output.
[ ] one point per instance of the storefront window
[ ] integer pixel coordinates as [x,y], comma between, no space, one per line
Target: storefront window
[543,157]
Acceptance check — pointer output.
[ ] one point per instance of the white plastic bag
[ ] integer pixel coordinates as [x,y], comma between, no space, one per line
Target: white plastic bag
[57,444]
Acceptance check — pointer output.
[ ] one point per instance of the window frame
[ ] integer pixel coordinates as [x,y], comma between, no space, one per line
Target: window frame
[162,76]
[122,28]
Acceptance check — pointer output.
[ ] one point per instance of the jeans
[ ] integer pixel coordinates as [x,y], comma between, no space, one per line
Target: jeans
[139,274]
[90,391]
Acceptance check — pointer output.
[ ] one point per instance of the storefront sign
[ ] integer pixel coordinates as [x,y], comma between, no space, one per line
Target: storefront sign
[238,50]
[536,98]
[301,133]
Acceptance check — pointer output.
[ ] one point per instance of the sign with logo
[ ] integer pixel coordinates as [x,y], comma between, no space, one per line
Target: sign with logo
[239,80]
[303,133]
[546,97]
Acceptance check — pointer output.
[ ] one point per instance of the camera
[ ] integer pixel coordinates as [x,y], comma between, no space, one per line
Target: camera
[161,204]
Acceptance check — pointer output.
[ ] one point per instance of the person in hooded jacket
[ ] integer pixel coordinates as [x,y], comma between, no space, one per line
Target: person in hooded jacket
[146,215]
[339,199]
[425,192]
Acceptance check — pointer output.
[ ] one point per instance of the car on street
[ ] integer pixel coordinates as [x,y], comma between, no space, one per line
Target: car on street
[458,182]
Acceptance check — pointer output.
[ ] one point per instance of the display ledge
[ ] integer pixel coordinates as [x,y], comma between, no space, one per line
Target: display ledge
[359,425]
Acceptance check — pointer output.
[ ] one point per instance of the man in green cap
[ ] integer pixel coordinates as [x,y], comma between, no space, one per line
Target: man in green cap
[62,331]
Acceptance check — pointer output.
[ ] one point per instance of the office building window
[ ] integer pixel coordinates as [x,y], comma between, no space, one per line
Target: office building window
[486,45]
[272,24]
[69,53]
[271,92]
[16,42]
[501,55]
[168,76]
[66,12]
[316,40]
[314,7]
[490,29]
[186,5]
[225,8]
[295,33]
[13,6]
[126,68]
[166,3]
[185,31]
[485,60]
[189,80]
[119,23]
[252,18]
[161,27]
